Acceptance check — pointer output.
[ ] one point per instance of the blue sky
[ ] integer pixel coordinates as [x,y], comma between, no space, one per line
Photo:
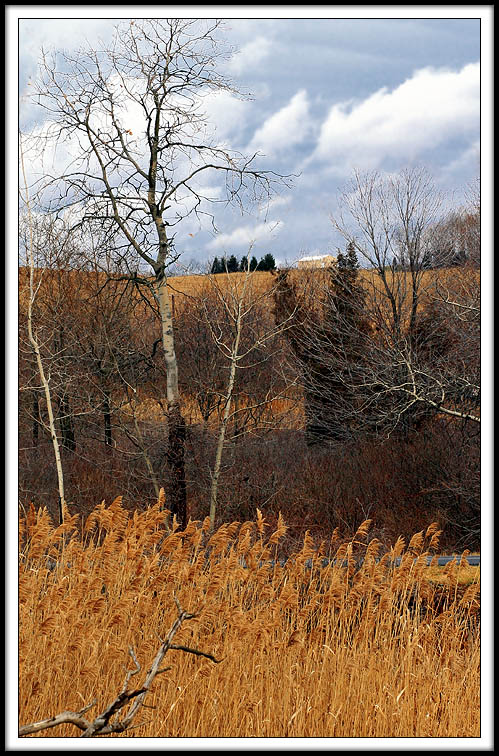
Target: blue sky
[330,95]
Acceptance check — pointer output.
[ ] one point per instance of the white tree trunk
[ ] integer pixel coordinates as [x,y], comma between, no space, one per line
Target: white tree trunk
[176,423]
[225,422]
[36,347]
[165,311]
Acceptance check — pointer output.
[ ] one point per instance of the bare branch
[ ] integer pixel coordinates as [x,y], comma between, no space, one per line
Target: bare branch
[102,724]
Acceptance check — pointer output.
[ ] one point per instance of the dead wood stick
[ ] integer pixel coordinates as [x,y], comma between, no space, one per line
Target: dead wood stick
[102,724]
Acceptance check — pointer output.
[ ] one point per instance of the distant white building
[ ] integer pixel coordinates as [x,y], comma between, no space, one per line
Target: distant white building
[316,261]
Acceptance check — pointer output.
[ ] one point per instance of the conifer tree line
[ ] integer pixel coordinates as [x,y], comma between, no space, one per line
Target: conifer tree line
[231,265]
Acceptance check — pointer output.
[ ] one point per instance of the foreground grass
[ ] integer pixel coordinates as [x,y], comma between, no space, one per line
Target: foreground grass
[330,652]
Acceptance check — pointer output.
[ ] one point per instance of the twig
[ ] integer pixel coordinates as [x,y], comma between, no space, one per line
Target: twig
[102,724]
[196,652]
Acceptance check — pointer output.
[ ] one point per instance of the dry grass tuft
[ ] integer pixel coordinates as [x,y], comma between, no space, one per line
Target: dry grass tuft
[308,651]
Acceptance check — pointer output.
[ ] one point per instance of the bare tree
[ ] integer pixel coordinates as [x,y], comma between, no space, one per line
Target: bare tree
[138,155]
[34,341]
[85,327]
[385,219]
[390,223]
[55,312]
[202,375]
[398,352]
[454,241]
[246,338]
[385,352]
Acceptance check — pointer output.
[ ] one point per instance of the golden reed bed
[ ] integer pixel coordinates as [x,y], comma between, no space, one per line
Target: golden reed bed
[322,652]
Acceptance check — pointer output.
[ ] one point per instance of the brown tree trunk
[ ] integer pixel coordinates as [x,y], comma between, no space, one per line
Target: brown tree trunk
[176,422]
[68,440]
[176,464]
[36,416]
[108,431]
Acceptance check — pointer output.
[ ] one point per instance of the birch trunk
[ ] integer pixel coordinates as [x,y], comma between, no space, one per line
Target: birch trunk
[48,400]
[36,348]
[176,423]
[226,415]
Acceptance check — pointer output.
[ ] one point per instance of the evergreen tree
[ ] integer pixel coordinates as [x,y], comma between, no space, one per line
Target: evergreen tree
[337,352]
[217,266]
[267,262]
[348,263]
[341,261]
[329,344]
[352,260]
[289,302]
[346,301]
[232,264]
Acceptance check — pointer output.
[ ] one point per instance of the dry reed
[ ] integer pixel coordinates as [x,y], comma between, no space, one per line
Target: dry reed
[308,651]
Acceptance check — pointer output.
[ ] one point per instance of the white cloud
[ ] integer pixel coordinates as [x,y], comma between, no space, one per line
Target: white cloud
[288,127]
[279,201]
[271,204]
[226,113]
[57,157]
[432,107]
[244,236]
[59,33]
[60,157]
[249,56]
[468,161]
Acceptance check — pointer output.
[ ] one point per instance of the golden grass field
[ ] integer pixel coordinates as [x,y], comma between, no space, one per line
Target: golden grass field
[331,652]
[284,413]
[454,281]
[260,281]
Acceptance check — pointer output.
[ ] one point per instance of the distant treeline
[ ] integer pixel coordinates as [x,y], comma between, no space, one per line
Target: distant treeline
[231,264]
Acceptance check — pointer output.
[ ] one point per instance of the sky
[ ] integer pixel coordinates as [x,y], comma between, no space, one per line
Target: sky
[329,96]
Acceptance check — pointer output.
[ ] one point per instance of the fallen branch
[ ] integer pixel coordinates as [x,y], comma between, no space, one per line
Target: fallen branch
[102,724]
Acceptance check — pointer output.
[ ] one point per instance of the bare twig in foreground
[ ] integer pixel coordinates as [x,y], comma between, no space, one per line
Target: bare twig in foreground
[102,724]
